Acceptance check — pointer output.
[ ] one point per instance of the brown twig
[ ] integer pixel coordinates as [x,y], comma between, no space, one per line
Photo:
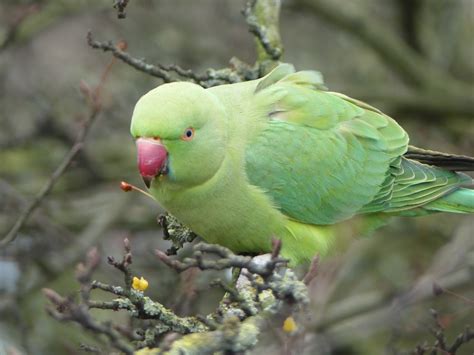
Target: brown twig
[210,78]
[439,290]
[441,343]
[124,265]
[312,271]
[66,310]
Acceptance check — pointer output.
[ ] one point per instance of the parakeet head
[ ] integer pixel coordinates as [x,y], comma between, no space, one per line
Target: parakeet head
[180,134]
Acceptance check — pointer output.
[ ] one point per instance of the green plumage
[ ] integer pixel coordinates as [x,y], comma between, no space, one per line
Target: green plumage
[281,156]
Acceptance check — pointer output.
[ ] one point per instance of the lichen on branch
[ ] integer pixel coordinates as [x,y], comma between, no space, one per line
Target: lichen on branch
[263,290]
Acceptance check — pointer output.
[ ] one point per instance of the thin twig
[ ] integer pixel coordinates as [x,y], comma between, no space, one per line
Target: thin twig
[66,310]
[312,271]
[210,78]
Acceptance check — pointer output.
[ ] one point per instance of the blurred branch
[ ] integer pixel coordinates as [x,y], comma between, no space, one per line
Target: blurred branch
[429,81]
[94,110]
[13,200]
[409,12]
[18,17]
[366,304]
[46,126]
[432,105]
[386,44]
[96,228]
[376,308]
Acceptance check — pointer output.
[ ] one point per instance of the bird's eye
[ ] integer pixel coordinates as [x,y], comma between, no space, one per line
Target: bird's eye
[188,134]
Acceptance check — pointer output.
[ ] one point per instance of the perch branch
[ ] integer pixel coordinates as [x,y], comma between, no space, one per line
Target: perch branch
[226,260]
[233,327]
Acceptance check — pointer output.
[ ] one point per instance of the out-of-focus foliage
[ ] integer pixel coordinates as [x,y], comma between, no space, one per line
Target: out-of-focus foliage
[43,58]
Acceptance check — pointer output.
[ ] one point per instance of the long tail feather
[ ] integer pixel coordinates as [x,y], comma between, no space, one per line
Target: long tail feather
[443,160]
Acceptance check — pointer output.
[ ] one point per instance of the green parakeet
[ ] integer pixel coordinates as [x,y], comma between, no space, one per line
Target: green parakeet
[283,157]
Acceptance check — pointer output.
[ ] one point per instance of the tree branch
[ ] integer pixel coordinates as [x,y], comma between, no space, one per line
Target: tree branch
[212,77]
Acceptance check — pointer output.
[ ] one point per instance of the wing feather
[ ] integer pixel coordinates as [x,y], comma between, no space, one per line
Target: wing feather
[324,157]
[320,156]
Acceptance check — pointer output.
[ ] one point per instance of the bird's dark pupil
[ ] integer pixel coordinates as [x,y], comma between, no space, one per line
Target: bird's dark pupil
[189,133]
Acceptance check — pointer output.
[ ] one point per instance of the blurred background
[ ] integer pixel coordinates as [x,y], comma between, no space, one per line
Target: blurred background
[414,59]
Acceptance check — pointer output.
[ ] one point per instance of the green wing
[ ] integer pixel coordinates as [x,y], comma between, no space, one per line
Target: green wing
[411,184]
[324,157]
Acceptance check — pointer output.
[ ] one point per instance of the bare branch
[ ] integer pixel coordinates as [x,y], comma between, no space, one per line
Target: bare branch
[66,310]
[312,272]
[441,342]
[212,77]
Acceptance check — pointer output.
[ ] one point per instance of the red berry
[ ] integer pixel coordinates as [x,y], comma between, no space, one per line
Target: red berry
[125,186]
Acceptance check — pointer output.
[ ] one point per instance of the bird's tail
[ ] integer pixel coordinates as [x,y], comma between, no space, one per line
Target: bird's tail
[458,201]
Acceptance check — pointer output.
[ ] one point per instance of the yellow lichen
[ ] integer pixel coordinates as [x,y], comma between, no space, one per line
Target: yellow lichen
[139,284]
[289,325]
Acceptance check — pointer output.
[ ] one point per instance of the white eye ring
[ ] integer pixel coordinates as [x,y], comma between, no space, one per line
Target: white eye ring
[188,134]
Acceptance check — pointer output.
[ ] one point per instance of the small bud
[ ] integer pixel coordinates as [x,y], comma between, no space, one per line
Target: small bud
[139,284]
[126,244]
[122,44]
[85,89]
[125,186]
[289,325]
[437,289]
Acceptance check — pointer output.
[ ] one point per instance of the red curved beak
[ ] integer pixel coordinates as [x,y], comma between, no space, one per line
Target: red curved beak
[152,159]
